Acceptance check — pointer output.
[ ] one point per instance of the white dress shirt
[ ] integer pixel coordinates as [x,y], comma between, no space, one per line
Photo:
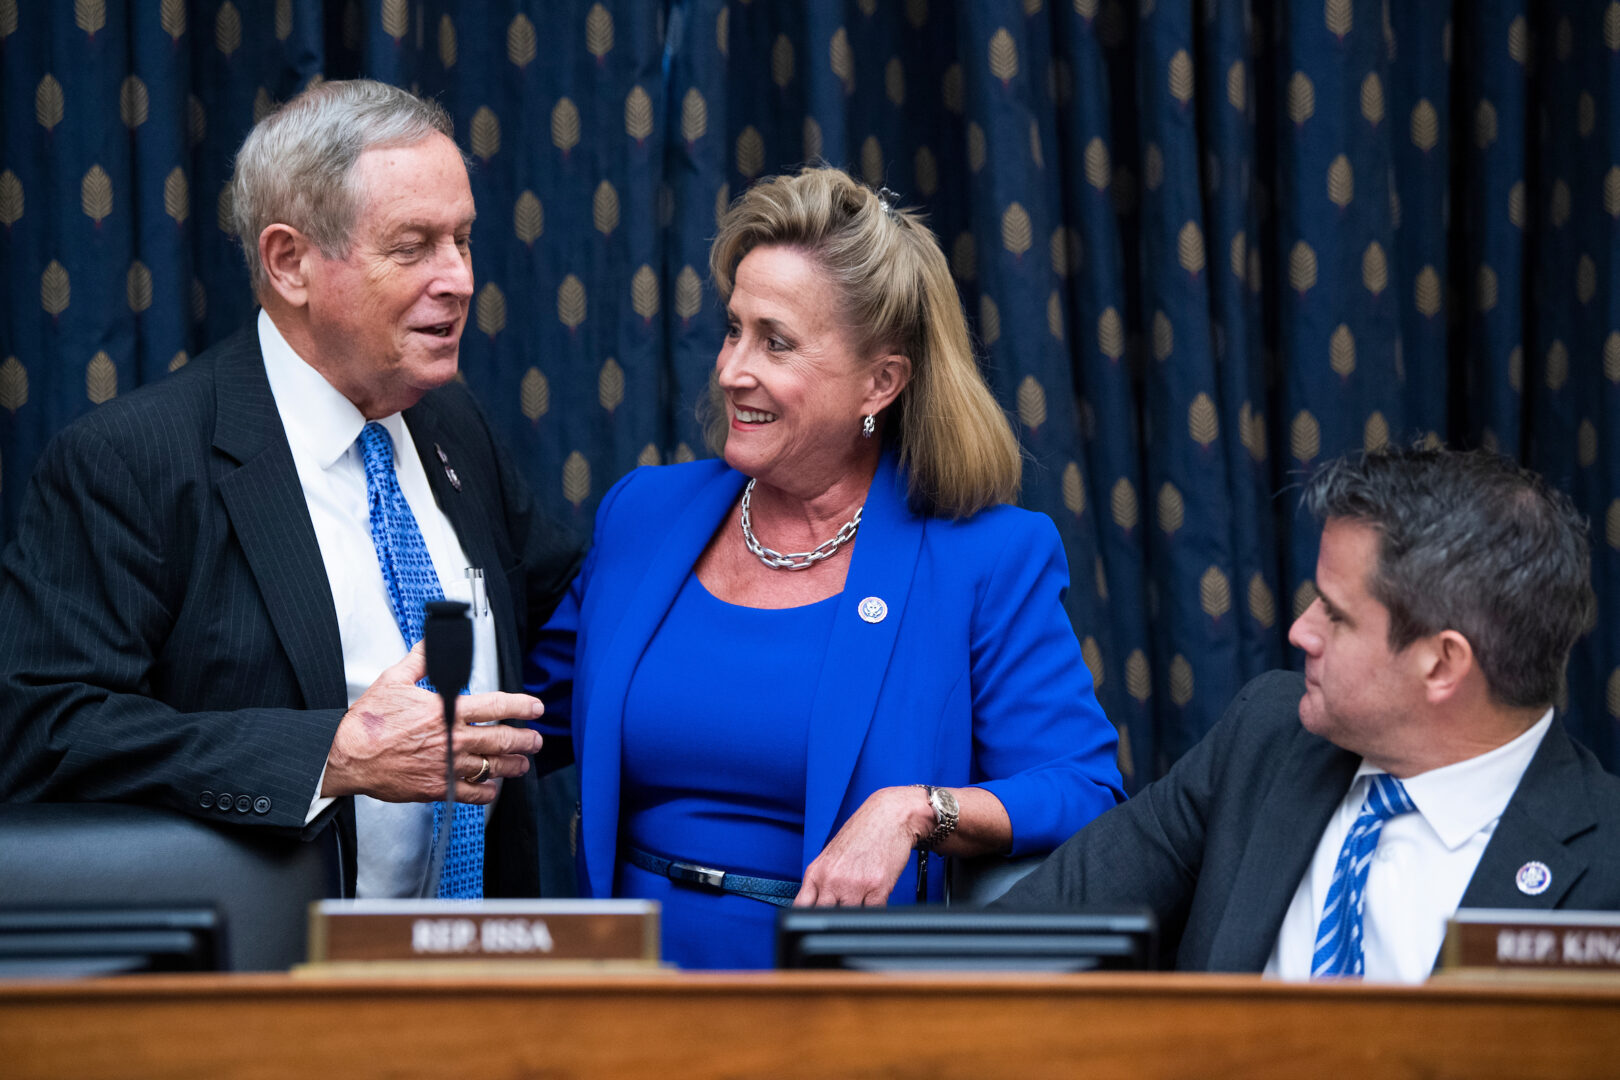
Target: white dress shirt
[1421,868]
[322,425]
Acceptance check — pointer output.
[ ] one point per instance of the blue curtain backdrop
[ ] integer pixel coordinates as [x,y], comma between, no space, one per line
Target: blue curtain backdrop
[1205,246]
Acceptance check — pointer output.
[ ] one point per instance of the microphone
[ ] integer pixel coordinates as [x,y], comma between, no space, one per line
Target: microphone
[448,637]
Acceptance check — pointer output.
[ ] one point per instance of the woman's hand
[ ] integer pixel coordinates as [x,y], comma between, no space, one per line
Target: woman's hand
[862,863]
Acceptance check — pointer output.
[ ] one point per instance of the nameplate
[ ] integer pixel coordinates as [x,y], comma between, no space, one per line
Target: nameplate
[1505,939]
[439,931]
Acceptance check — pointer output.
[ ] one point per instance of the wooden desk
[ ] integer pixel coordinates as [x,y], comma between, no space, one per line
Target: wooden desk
[823,1025]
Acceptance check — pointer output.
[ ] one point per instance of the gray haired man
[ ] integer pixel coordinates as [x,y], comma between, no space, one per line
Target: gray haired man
[212,596]
[1329,824]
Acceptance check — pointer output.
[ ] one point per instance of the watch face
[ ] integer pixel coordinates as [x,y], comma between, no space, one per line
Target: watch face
[945,805]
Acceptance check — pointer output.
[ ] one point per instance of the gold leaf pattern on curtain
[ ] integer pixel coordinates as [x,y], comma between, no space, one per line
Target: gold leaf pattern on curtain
[534,395]
[1003,56]
[688,293]
[565,125]
[841,59]
[644,292]
[1203,425]
[96,194]
[1304,597]
[1375,433]
[1138,676]
[1181,681]
[1122,504]
[1031,403]
[571,302]
[989,320]
[138,287]
[528,218]
[447,42]
[605,209]
[1074,489]
[520,41]
[1262,605]
[172,17]
[750,152]
[1172,510]
[227,28]
[1342,352]
[782,60]
[486,132]
[610,385]
[576,479]
[100,379]
[638,114]
[1557,365]
[1341,182]
[1110,334]
[1304,437]
[48,102]
[134,103]
[13,385]
[491,309]
[598,32]
[1372,99]
[694,116]
[90,16]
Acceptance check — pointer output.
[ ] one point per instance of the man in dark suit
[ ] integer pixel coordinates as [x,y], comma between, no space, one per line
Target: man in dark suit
[1329,824]
[193,613]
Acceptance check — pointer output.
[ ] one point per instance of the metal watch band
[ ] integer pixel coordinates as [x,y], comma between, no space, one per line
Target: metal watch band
[946,812]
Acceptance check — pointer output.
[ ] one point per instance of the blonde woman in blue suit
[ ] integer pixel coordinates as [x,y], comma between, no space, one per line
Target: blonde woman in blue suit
[756,728]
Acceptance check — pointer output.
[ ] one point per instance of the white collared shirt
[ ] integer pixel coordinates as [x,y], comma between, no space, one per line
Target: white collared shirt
[1422,866]
[322,426]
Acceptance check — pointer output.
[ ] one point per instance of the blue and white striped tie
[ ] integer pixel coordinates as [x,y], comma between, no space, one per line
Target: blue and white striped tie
[1338,935]
[407,570]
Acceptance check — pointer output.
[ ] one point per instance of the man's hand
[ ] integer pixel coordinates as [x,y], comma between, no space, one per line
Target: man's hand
[859,867]
[390,744]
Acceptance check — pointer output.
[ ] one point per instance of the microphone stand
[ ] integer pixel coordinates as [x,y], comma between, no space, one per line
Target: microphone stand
[448,635]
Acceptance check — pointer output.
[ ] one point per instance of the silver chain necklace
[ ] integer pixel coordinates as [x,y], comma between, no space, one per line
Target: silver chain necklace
[802,560]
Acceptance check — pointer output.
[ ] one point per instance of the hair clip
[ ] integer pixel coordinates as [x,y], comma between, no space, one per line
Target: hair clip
[886,200]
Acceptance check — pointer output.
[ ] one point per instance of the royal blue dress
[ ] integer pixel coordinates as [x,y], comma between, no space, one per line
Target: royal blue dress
[716,732]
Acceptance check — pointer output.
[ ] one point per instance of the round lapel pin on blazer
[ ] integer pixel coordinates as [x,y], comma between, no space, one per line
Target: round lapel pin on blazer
[873,609]
[1533,878]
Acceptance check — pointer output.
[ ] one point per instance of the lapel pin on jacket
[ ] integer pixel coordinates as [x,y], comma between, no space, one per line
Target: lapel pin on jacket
[444,459]
[873,609]
[1533,878]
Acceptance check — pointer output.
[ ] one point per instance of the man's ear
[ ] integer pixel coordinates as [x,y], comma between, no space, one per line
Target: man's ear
[890,374]
[1446,661]
[285,253]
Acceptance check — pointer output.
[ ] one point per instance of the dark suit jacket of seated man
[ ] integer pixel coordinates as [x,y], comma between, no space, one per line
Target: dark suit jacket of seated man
[172,632]
[1233,848]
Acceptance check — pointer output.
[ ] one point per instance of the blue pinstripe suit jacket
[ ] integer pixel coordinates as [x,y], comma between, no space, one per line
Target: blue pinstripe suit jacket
[166,626]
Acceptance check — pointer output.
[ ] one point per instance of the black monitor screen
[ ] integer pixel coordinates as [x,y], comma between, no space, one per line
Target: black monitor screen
[81,941]
[948,939]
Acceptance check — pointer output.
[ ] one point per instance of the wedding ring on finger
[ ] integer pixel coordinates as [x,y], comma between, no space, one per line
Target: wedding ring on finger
[482,775]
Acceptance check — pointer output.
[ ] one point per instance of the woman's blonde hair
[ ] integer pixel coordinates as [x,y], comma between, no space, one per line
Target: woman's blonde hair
[955,443]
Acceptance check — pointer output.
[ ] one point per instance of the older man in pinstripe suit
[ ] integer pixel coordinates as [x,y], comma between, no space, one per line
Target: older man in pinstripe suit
[192,613]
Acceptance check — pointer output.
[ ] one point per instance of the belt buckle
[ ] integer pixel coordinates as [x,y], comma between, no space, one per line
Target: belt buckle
[700,875]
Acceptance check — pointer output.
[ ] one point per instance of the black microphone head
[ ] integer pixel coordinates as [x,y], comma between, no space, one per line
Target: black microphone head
[449,637]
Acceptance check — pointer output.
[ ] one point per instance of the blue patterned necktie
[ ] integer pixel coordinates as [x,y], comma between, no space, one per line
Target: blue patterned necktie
[1338,936]
[407,570]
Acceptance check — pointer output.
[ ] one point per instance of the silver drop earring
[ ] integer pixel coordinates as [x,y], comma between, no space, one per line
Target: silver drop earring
[868,426]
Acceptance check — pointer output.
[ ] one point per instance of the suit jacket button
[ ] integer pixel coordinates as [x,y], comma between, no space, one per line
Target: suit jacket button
[261,805]
[222,802]
[206,800]
[244,803]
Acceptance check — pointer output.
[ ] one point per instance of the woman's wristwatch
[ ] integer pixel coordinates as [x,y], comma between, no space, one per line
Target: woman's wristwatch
[946,812]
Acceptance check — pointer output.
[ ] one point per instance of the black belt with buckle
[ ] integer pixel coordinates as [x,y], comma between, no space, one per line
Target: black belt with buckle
[778,891]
